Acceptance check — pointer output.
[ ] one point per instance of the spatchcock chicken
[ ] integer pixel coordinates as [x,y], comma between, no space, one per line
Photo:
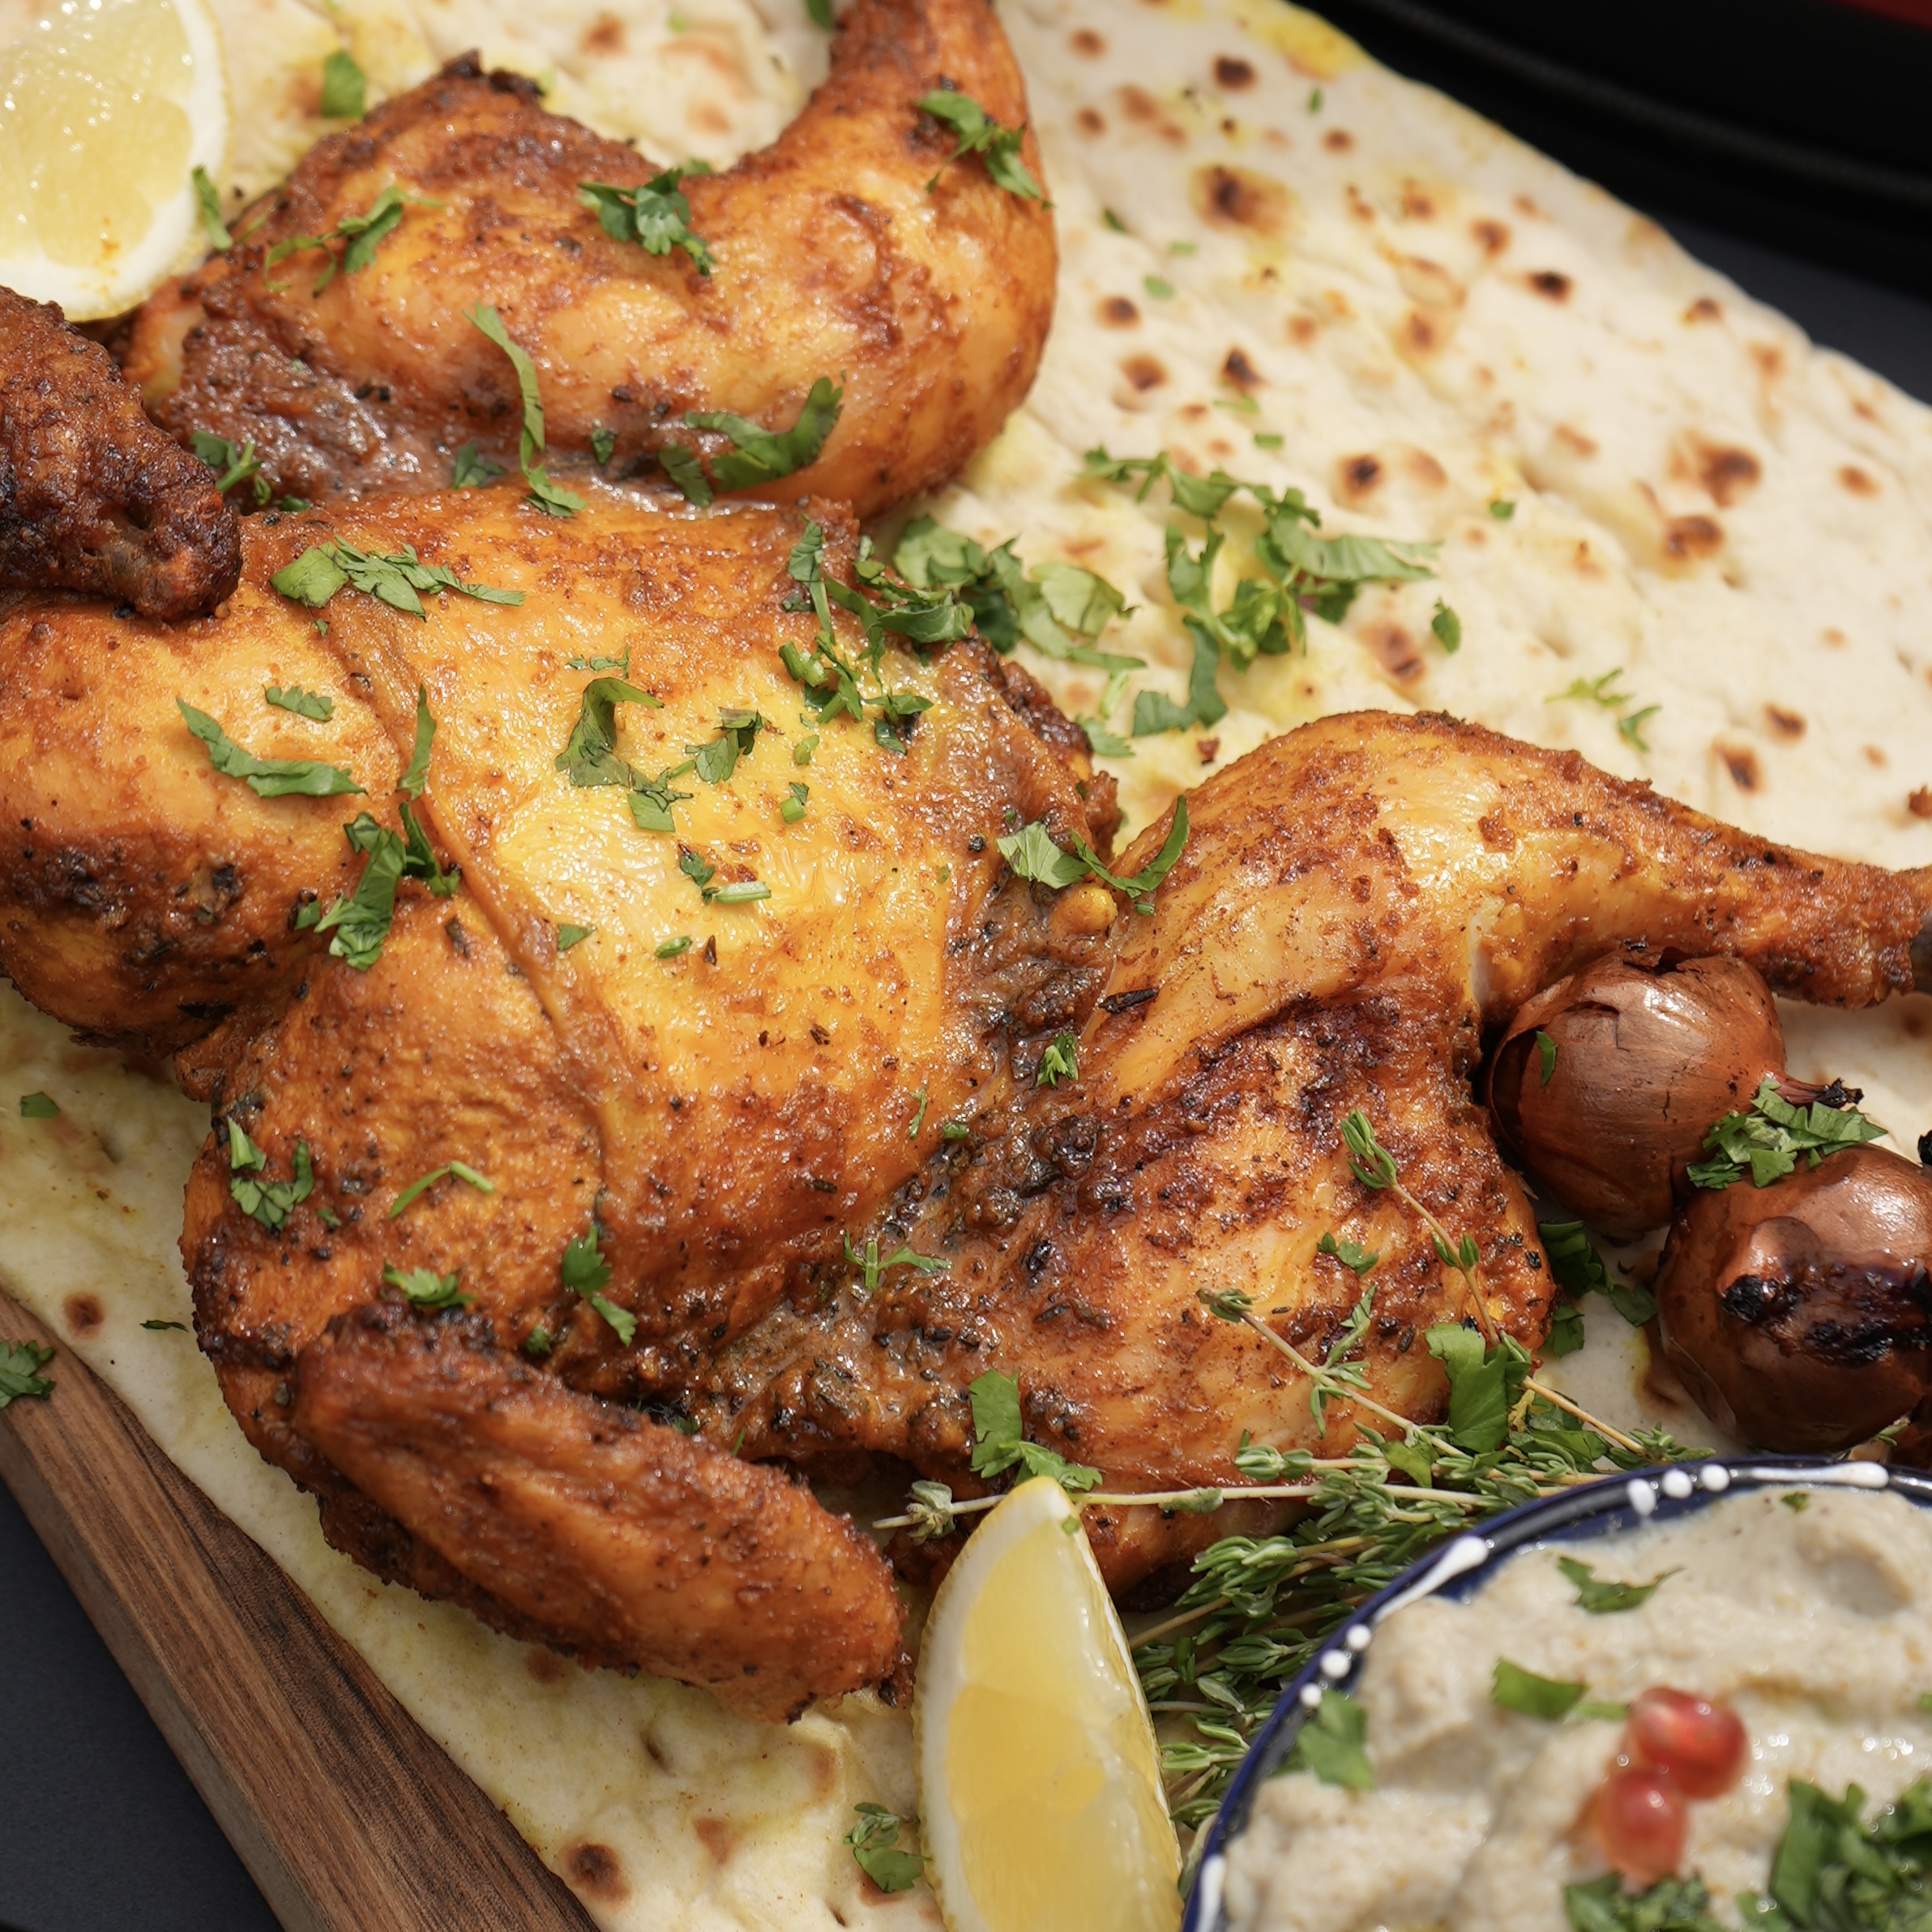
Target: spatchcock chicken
[671,1088]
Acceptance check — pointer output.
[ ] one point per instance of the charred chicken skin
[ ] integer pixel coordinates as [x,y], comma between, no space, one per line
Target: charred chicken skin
[696,1117]
[829,258]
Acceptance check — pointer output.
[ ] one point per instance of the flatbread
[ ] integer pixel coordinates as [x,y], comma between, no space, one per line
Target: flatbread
[1437,319]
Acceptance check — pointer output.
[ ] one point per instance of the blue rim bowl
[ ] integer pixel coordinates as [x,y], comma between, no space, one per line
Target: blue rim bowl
[1459,1567]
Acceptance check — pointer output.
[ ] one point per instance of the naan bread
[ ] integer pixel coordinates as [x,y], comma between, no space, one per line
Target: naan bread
[1432,319]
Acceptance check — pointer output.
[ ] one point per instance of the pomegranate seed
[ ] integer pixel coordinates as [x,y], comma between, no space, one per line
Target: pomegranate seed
[1641,1819]
[1702,1745]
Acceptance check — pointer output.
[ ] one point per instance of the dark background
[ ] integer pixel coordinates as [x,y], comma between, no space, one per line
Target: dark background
[100,1828]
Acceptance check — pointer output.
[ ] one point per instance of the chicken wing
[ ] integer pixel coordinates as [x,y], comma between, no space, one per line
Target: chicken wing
[830,257]
[92,497]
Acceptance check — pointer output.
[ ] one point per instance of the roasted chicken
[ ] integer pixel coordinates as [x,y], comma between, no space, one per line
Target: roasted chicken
[830,257]
[718,1104]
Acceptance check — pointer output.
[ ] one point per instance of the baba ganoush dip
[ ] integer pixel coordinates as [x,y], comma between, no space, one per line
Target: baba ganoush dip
[1807,1614]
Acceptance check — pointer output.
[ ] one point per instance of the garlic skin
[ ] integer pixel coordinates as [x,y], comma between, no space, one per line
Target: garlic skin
[1647,1059]
[1799,1315]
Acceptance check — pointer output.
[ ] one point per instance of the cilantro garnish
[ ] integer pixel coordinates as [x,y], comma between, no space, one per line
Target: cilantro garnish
[1670,1905]
[819,13]
[419,857]
[1579,1271]
[547,496]
[978,133]
[1766,1141]
[1631,726]
[393,577]
[585,1272]
[1060,1062]
[759,455]
[1485,1382]
[21,1366]
[424,1288]
[360,921]
[1606,1598]
[416,774]
[345,88]
[317,706]
[269,1201]
[266,777]
[589,756]
[1032,854]
[1347,1253]
[621,666]
[207,198]
[656,216]
[39,1106]
[623,1323]
[568,935]
[717,759]
[232,466]
[874,1839]
[1546,1054]
[603,444]
[1332,1743]
[473,471]
[363,234]
[791,808]
[1050,606]
[456,1170]
[674,948]
[874,1265]
[1000,1443]
[1447,626]
[1512,1688]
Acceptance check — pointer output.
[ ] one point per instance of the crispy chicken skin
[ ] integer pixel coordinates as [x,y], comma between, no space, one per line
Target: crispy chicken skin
[92,497]
[832,260]
[1355,902]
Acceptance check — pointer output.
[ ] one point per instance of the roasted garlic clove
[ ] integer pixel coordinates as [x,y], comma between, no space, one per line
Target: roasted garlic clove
[1799,1315]
[1606,1083]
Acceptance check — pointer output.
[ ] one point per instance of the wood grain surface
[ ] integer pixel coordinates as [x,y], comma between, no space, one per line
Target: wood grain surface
[347,1815]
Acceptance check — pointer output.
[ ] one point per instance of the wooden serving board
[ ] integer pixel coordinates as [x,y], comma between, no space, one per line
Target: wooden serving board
[347,1816]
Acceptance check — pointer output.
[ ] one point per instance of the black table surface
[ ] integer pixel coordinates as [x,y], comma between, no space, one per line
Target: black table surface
[100,1828]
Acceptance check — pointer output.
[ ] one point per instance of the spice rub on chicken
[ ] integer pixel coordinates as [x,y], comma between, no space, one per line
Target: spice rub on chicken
[832,260]
[557,1124]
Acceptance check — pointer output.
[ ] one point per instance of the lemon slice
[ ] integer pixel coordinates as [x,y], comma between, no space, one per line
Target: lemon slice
[1041,1804]
[106,109]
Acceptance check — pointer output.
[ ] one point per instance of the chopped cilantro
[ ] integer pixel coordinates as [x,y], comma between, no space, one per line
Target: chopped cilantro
[742,892]
[1000,1443]
[1104,742]
[568,936]
[874,1265]
[623,1323]
[1060,1062]
[393,578]
[656,216]
[1484,1384]
[874,1839]
[39,1106]
[1606,1598]
[269,1201]
[1032,854]
[1447,626]
[1268,439]
[21,1366]
[694,868]
[1315,101]
[456,1170]
[954,1130]
[918,1116]
[1502,510]
[603,444]
[419,857]
[684,469]
[473,471]
[621,666]
[762,456]
[791,808]
[1766,1141]
[819,13]
[360,921]
[317,706]
[978,133]
[417,775]
[589,756]
[1347,1253]
[1546,1055]
[232,466]
[547,496]
[716,760]
[1512,1688]
[801,752]
[585,1272]
[1332,1743]
[674,948]
[424,1288]
[362,234]
[1157,286]
[266,777]
[1670,1905]
[207,198]
[1579,1271]
[345,88]
[538,1342]
[1631,727]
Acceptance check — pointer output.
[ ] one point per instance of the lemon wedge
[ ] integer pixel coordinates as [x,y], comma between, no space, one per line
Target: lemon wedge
[1041,1804]
[107,107]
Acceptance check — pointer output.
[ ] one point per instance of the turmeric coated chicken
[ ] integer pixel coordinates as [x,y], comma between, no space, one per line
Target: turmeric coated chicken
[650,1100]
[848,253]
